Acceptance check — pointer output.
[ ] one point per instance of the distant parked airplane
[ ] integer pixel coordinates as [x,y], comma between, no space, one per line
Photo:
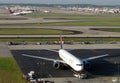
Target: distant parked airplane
[20,12]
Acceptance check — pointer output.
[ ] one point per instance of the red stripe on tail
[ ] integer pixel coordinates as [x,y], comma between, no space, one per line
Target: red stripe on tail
[10,11]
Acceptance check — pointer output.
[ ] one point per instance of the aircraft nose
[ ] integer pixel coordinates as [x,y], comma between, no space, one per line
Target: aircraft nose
[81,68]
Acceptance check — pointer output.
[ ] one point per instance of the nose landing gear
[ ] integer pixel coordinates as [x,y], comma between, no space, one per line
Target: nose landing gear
[82,76]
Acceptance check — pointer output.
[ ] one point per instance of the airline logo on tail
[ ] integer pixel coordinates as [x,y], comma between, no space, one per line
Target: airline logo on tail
[10,11]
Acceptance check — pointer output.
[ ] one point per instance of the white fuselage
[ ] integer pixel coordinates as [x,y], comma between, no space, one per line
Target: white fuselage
[71,60]
[22,13]
[16,13]
[26,12]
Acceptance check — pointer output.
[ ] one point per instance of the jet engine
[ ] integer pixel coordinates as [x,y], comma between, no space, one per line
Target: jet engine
[56,65]
[87,65]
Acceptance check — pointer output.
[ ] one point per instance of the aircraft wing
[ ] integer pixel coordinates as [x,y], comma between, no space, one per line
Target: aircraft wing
[54,60]
[95,57]
[52,50]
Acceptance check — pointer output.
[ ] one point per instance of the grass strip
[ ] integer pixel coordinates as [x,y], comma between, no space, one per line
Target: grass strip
[107,29]
[25,31]
[9,71]
[74,23]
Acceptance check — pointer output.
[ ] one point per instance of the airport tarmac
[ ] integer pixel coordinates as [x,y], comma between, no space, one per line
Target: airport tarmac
[106,67]
[4,50]
[19,19]
[101,74]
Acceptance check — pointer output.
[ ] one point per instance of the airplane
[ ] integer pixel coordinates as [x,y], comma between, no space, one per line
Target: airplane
[68,59]
[20,12]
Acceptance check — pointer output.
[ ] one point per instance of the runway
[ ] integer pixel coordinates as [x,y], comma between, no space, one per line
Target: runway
[99,68]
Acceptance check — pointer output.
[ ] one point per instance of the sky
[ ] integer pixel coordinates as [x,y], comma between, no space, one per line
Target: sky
[94,2]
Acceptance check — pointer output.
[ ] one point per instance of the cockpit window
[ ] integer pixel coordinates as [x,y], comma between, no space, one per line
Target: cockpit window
[79,64]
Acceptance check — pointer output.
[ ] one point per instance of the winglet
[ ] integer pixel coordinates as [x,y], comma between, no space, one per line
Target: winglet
[61,42]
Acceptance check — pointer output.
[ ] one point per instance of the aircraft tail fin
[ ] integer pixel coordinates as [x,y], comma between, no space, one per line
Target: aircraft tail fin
[61,42]
[10,11]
